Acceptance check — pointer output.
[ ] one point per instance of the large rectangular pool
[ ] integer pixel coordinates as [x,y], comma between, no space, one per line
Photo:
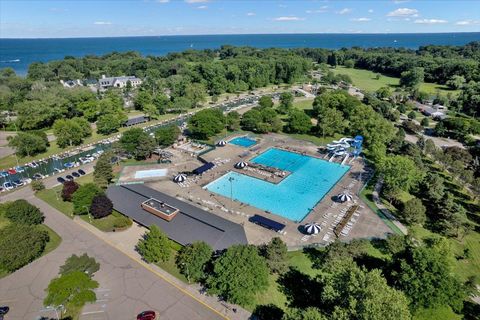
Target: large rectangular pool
[293,198]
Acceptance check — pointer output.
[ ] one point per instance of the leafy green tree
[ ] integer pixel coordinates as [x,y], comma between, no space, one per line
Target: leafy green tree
[330,121]
[238,274]
[20,244]
[250,119]
[167,135]
[151,111]
[469,98]
[412,115]
[413,211]
[108,123]
[310,313]
[138,143]
[196,93]
[192,260]
[425,122]
[27,144]
[233,121]
[89,109]
[37,185]
[265,102]
[383,93]
[181,104]
[72,290]
[456,82]
[83,197]
[433,187]
[400,173]
[103,171]
[23,212]
[155,246]
[286,102]
[206,123]
[68,189]
[298,122]
[101,206]
[83,263]
[275,253]
[142,99]
[161,102]
[71,132]
[412,78]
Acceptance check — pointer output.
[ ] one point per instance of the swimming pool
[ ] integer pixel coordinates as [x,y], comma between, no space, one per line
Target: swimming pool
[243,142]
[293,198]
[151,173]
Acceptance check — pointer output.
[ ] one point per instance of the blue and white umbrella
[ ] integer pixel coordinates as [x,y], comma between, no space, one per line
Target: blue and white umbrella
[312,228]
[179,178]
[241,165]
[222,143]
[345,197]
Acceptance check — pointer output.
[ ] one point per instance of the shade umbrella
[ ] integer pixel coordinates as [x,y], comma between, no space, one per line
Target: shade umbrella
[241,165]
[179,178]
[312,228]
[222,143]
[345,197]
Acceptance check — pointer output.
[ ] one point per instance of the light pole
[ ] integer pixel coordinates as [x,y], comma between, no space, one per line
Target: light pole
[89,216]
[231,179]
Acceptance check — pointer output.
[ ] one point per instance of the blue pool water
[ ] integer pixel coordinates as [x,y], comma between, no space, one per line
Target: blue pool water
[243,142]
[293,198]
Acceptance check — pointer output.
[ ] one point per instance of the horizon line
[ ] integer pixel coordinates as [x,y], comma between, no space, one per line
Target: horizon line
[234,34]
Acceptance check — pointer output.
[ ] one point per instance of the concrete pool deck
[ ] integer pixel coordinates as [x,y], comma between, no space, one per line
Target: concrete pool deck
[368,224]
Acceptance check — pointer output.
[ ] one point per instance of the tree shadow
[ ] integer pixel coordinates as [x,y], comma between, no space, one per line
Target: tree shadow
[267,312]
[300,289]
[471,310]
[315,256]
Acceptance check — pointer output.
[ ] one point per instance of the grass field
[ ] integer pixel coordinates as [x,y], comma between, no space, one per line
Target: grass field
[365,80]
[115,221]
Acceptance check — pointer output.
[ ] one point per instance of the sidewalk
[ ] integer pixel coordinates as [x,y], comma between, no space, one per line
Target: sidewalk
[125,242]
[383,209]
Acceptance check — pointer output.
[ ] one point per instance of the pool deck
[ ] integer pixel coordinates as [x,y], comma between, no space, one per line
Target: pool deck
[327,212]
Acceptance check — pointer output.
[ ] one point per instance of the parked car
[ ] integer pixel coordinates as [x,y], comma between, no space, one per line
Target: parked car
[4,173]
[61,180]
[17,183]
[38,176]
[69,177]
[8,186]
[82,172]
[76,174]
[147,315]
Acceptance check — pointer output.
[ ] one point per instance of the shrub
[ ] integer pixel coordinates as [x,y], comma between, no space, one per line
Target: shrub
[68,189]
[101,206]
[22,212]
[20,245]
[37,185]
[192,260]
[155,246]
[83,197]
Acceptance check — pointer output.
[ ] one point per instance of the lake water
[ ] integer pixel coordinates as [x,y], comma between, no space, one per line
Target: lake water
[20,53]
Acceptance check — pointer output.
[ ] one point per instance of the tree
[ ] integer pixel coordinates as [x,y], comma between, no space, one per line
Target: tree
[238,274]
[72,290]
[155,246]
[83,263]
[27,144]
[310,313]
[298,122]
[167,135]
[23,212]
[456,82]
[413,211]
[101,206]
[265,102]
[83,197]
[37,185]
[138,143]
[383,93]
[161,102]
[71,132]
[206,123]
[412,115]
[400,173]
[425,122]
[68,189]
[142,99]
[433,187]
[251,119]
[275,254]
[192,260]
[412,78]
[286,102]
[233,121]
[103,171]
[108,123]
[20,244]
[196,93]
[330,121]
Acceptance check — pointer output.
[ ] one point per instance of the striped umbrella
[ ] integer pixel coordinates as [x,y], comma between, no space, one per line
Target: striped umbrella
[180,178]
[312,228]
[241,165]
[344,197]
[222,143]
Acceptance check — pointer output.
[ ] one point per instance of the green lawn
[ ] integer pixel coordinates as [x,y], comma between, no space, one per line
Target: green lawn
[365,80]
[304,104]
[170,265]
[115,221]
[314,139]
[441,313]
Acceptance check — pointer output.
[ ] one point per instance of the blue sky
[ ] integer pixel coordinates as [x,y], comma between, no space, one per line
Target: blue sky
[51,19]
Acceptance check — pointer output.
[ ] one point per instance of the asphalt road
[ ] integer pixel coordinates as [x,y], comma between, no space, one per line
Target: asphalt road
[126,287]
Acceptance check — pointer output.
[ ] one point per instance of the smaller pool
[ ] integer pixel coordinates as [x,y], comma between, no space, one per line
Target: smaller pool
[243,142]
[151,173]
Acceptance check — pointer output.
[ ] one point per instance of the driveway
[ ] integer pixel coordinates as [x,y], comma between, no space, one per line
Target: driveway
[127,286]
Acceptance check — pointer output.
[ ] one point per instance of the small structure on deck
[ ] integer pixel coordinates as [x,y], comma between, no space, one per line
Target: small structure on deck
[241,165]
[222,143]
[312,228]
[160,209]
[207,166]
[267,223]
[344,197]
[179,178]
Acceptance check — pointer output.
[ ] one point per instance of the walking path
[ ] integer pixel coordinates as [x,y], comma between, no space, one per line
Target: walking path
[127,285]
[383,209]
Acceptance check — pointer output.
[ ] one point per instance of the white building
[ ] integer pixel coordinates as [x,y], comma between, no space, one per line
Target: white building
[118,82]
